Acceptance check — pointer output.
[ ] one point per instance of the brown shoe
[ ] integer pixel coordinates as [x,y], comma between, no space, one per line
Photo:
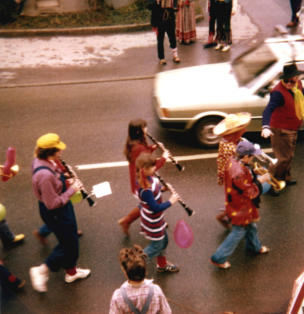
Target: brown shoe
[40,238]
[176,59]
[292,24]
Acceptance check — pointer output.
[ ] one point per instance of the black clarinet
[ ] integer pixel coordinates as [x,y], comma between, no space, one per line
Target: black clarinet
[173,160]
[189,211]
[85,195]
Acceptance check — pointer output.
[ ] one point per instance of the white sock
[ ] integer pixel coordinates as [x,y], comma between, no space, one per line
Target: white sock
[174,52]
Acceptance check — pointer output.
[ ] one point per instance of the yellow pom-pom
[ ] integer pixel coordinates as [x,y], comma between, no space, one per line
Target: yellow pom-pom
[2,212]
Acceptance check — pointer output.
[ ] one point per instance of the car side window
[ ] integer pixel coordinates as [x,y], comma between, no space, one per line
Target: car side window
[266,89]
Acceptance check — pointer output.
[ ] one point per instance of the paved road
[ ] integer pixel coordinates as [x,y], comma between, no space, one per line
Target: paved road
[92,120]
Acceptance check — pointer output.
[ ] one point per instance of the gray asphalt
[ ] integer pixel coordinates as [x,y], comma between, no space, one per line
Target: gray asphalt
[92,120]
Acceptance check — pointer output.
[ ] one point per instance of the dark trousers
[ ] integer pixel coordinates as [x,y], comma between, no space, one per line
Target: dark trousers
[283,143]
[45,231]
[62,222]
[7,278]
[169,28]
[223,21]
[6,235]
[212,16]
[295,8]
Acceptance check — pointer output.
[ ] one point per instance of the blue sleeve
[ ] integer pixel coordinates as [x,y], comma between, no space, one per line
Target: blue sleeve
[276,100]
[148,197]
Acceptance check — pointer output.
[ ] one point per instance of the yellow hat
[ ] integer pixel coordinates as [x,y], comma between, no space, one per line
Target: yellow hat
[232,123]
[50,140]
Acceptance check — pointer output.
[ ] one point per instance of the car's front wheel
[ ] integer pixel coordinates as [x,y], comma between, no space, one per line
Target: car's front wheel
[204,131]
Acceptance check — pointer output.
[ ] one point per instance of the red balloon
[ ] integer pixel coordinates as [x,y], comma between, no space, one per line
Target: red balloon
[9,162]
[183,235]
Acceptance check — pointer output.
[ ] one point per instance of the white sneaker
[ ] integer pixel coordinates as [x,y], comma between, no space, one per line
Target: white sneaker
[39,278]
[80,274]
[226,48]
[218,47]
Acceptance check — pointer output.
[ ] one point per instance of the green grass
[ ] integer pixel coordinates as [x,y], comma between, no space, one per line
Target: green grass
[99,15]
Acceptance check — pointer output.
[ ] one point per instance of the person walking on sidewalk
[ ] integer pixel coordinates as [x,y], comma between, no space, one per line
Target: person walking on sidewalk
[212,33]
[153,225]
[224,10]
[163,21]
[135,145]
[185,22]
[137,294]
[242,189]
[282,119]
[295,6]
[57,212]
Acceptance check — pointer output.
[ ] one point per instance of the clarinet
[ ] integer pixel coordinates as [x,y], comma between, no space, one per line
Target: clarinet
[189,211]
[173,160]
[85,195]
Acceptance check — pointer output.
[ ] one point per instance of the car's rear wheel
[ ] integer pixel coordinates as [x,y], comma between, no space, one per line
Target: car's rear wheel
[204,132]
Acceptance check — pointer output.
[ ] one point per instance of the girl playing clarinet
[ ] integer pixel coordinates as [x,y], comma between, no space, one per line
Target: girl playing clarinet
[135,145]
[152,208]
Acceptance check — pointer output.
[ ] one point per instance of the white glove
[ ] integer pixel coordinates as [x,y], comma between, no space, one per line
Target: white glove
[266,132]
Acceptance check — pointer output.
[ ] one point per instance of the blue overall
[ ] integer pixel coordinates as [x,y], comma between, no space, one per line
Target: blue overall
[62,222]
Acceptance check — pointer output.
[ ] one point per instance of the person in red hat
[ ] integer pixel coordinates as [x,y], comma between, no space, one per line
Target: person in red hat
[282,119]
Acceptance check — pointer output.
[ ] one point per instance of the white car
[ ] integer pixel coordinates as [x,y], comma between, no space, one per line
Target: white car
[199,97]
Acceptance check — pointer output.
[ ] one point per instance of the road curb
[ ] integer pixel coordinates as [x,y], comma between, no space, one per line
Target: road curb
[95,30]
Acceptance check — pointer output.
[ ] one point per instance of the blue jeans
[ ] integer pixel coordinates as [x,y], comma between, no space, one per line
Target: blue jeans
[237,233]
[266,187]
[155,248]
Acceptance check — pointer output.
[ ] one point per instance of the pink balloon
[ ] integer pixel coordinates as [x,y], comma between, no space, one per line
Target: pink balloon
[183,235]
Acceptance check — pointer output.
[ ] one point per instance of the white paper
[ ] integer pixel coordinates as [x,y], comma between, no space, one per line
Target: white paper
[102,189]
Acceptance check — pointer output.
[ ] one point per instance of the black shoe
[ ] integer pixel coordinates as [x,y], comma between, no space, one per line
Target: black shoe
[210,45]
[273,192]
[291,182]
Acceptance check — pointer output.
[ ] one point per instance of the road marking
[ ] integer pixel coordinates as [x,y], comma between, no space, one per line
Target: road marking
[125,163]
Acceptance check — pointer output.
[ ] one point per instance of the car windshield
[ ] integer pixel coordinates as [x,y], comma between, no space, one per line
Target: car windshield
[252,63]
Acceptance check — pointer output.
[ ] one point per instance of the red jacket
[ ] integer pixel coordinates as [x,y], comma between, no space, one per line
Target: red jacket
[284,117]
[241,188]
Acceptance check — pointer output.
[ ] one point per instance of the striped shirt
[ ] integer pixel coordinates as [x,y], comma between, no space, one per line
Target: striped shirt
[152,211]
